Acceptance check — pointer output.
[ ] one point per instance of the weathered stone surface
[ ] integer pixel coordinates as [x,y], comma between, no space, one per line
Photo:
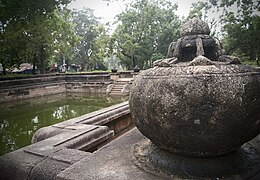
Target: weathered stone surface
[17,165]
[113,161]
[81,137]
[35,87]
[23,164]
[55,163]
[46,132]
[241,164]
[194,26]
[118,160]
[197,102]
[45,159]
[100,117]
[57,147]
[69,156]
[195,41]
[128,157]
[197,110]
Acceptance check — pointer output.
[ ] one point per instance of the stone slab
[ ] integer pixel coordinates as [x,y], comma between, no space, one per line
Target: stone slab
[18,165]
[69,156]
[87,137]
[116,161]
[113,161]
[93,115]
[53,164]
[26,165]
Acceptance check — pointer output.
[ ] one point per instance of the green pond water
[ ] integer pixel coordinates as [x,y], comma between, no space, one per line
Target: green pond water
[20,119]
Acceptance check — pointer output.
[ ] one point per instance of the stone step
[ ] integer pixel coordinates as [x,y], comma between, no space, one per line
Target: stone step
[115,93]
[122,82]
[119,85]
[125,79]
[117,88]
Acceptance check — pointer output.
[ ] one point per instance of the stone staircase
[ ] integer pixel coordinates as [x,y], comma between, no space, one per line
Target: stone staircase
[121,86]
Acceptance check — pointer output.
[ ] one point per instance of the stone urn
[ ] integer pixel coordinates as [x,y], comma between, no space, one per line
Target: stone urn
[197,102]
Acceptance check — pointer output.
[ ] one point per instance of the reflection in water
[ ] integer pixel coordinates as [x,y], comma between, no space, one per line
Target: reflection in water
[19,120]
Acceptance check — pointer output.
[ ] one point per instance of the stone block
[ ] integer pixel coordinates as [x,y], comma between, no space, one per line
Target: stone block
[69,156]
[17,165]
[52,165]
[112,161]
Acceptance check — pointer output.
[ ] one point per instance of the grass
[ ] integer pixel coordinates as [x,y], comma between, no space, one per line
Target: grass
[252,63]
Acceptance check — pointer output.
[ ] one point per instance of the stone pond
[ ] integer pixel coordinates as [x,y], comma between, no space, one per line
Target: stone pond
[20,119]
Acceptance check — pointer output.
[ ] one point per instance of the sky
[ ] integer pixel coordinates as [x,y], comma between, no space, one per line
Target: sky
[108,12]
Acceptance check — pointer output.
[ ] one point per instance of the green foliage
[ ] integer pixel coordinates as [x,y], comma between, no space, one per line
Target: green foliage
[240,26]
[91,50]
[198,10]
[31,31]
[64,37]
[145,30]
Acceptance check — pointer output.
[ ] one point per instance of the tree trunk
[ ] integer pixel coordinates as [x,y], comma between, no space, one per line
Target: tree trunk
[4,69]
[33,70]
[41,56]
[133,62]
[252,54]
[34,64]
[83,67]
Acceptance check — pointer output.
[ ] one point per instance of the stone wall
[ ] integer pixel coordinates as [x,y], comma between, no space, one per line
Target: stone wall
[39,86]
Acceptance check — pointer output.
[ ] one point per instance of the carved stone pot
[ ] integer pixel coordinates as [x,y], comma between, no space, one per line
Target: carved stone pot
[197,108]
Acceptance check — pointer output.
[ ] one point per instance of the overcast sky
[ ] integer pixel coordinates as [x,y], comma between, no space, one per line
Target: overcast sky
[108,12]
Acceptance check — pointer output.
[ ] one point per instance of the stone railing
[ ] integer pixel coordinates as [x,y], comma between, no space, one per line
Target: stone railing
[59,146]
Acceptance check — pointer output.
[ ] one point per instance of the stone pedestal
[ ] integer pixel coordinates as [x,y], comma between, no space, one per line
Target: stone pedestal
[197,107]
[127,158]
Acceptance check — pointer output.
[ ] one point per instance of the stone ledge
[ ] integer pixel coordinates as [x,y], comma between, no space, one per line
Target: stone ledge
[95,116]
[39,86]
[116,160]
[45,159]
[113,161]
[23,165]
[58,145]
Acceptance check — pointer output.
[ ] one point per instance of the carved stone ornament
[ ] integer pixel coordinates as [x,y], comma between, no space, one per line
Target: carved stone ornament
[197,102]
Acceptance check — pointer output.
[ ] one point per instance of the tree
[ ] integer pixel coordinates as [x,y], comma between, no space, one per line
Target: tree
[242,29]
[9,48]
[27,30]
[91,50]
[239,22]
[64,38]
[145,30]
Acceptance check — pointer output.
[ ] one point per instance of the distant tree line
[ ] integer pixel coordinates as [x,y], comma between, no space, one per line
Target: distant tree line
[44,32]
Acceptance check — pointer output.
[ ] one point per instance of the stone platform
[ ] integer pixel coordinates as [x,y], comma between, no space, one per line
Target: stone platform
[116,160]
[113,161]
[124,158]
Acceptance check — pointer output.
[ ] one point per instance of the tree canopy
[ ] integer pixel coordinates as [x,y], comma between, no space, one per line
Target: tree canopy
[44,32]
[90,51]
[241,27]
[31,31]
[145,30]
[239,23]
